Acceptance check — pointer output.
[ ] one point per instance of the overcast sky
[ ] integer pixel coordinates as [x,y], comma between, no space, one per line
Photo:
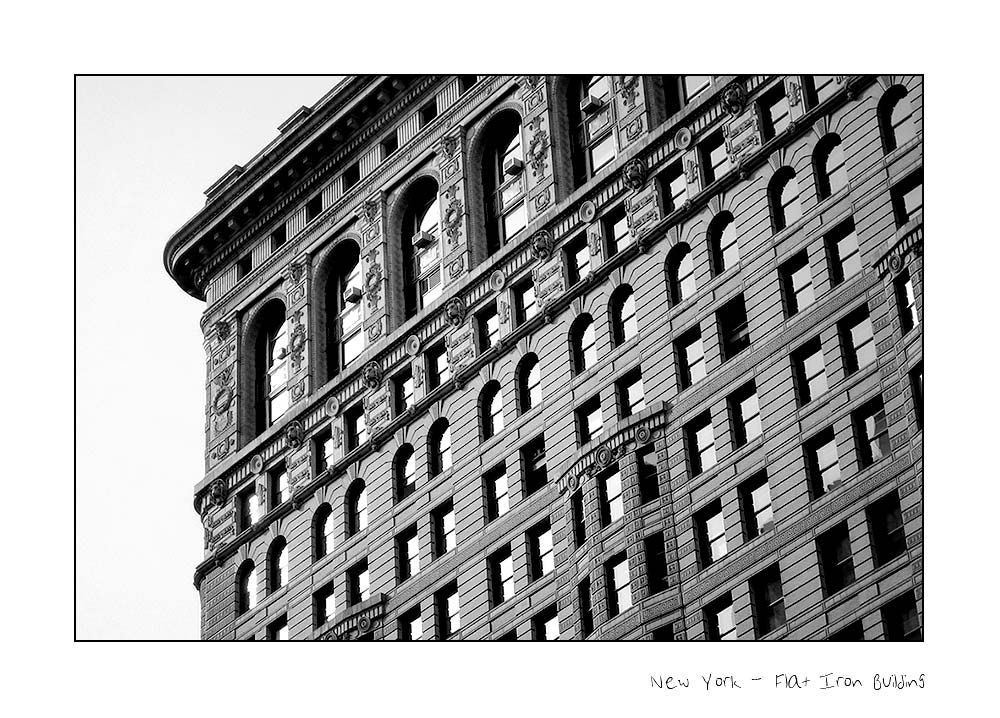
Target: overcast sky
[146,150]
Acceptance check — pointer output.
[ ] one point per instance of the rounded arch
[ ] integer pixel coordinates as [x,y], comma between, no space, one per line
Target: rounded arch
[783,198]
[624,324]
[246,587]
[357,507]
[491,410]
[895,118]
[338,314]
[829,166]
[723,242]
[681,284]
[322,531]
[439,447]
[583,343]
[277,564]
[528,379]
[416,247]
[264,368]
[404,468]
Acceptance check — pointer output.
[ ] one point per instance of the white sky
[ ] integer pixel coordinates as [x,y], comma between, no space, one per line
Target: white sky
[146,150]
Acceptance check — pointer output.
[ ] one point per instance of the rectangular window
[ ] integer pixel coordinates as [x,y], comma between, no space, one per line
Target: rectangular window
[438,371]
[720,619]
[278,630]
[612,500]
[488,327]
[578,259]
[821,88]
[314,207]
[410,626]
[277,486]
[402,391]
[664,633]
[501,576]
[443,523]
[744,411]
[810,371]
[796,284]
[885,523]
[649,480]
[871,432]
[690,358]
[465,83]
[774,111]
[714,157]
[356,428]
[428,112]
[497,498]
[673,184]
[843,252]
[278,237]
[835,558]
[351,176]
[619,585]
[389,145]
[755,502]
[323,606]
[917,387]
[408,550]
[579,521]
[694,85]
[906,301]
[545,626]
[631,398]
[243,267]
[851,632]
[858,339]
[711,529]
[701,443]
[525,306]
[734,327]
[449,617]
[823,462]
[533,460]
[357,583]
[656,562]
[616,233]
[323,450]
[541,549]
[249,508]
[768,600]
[900,619]
[586,609]
[908,197]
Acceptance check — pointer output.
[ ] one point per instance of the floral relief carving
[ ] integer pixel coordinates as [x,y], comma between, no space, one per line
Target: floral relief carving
[451,222]
[628,88]
[296,345]
[373,286]
[538,146]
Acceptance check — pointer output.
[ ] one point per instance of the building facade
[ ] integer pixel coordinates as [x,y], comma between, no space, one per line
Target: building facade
[587,357]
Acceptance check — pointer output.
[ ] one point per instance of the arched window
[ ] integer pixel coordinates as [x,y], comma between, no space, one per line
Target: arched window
[680,274]
[439,447]
[323,531]
[895,118]
[491,410]
[723,243]
[504,183]
[357,508]
[277,564]
[246,587]
[828,164]
[783,193]
[529,383]
[592,143]
[583,344]
[623,322]
[405,469]
[271,365]
[345,339]
[421,244]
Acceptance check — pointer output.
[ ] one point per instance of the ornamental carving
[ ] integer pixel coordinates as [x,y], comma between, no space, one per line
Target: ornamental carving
[541,245]
[634,173]
[294,435]
[628,88]
[538,148]
[794,93]
[454,311]
[294,271]
[297,345]
[222,330]
[691,172]
[504,314]
[418,376]
[455,268]
[332,406]
[337,437]
[373,286]
[643,434]
[370,210]
[449,145]
[256,463]
[895,263]
[224,398]
[497,280]
[371,375]
[543,200]
[683,138]
[533,81]
[374,331]
[412,345]
[299,390]
[217,493]
[734,99]
[587,211]
[603,456]
[452,219]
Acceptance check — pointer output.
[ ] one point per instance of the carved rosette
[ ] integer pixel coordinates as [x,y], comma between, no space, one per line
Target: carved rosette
[294,435]
[256,463]
[896,263]
[603,457]
[634,174]
[371,375]
[643,434]
[541,245]
[454,311]
[734,99]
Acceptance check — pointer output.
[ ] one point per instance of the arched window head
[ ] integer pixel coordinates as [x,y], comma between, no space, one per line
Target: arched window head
[504,183]
[723,244]
[421,244]
[405,468]
[895,117]
[623,322]
[345,339]
[277,564]
[439,447]
[592,143]
[323,531]
[828,163]
[583,343]
[529,383]
[246,587]
[680,274]
[783,193]
[357,508]
[491,410]
[271,365]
